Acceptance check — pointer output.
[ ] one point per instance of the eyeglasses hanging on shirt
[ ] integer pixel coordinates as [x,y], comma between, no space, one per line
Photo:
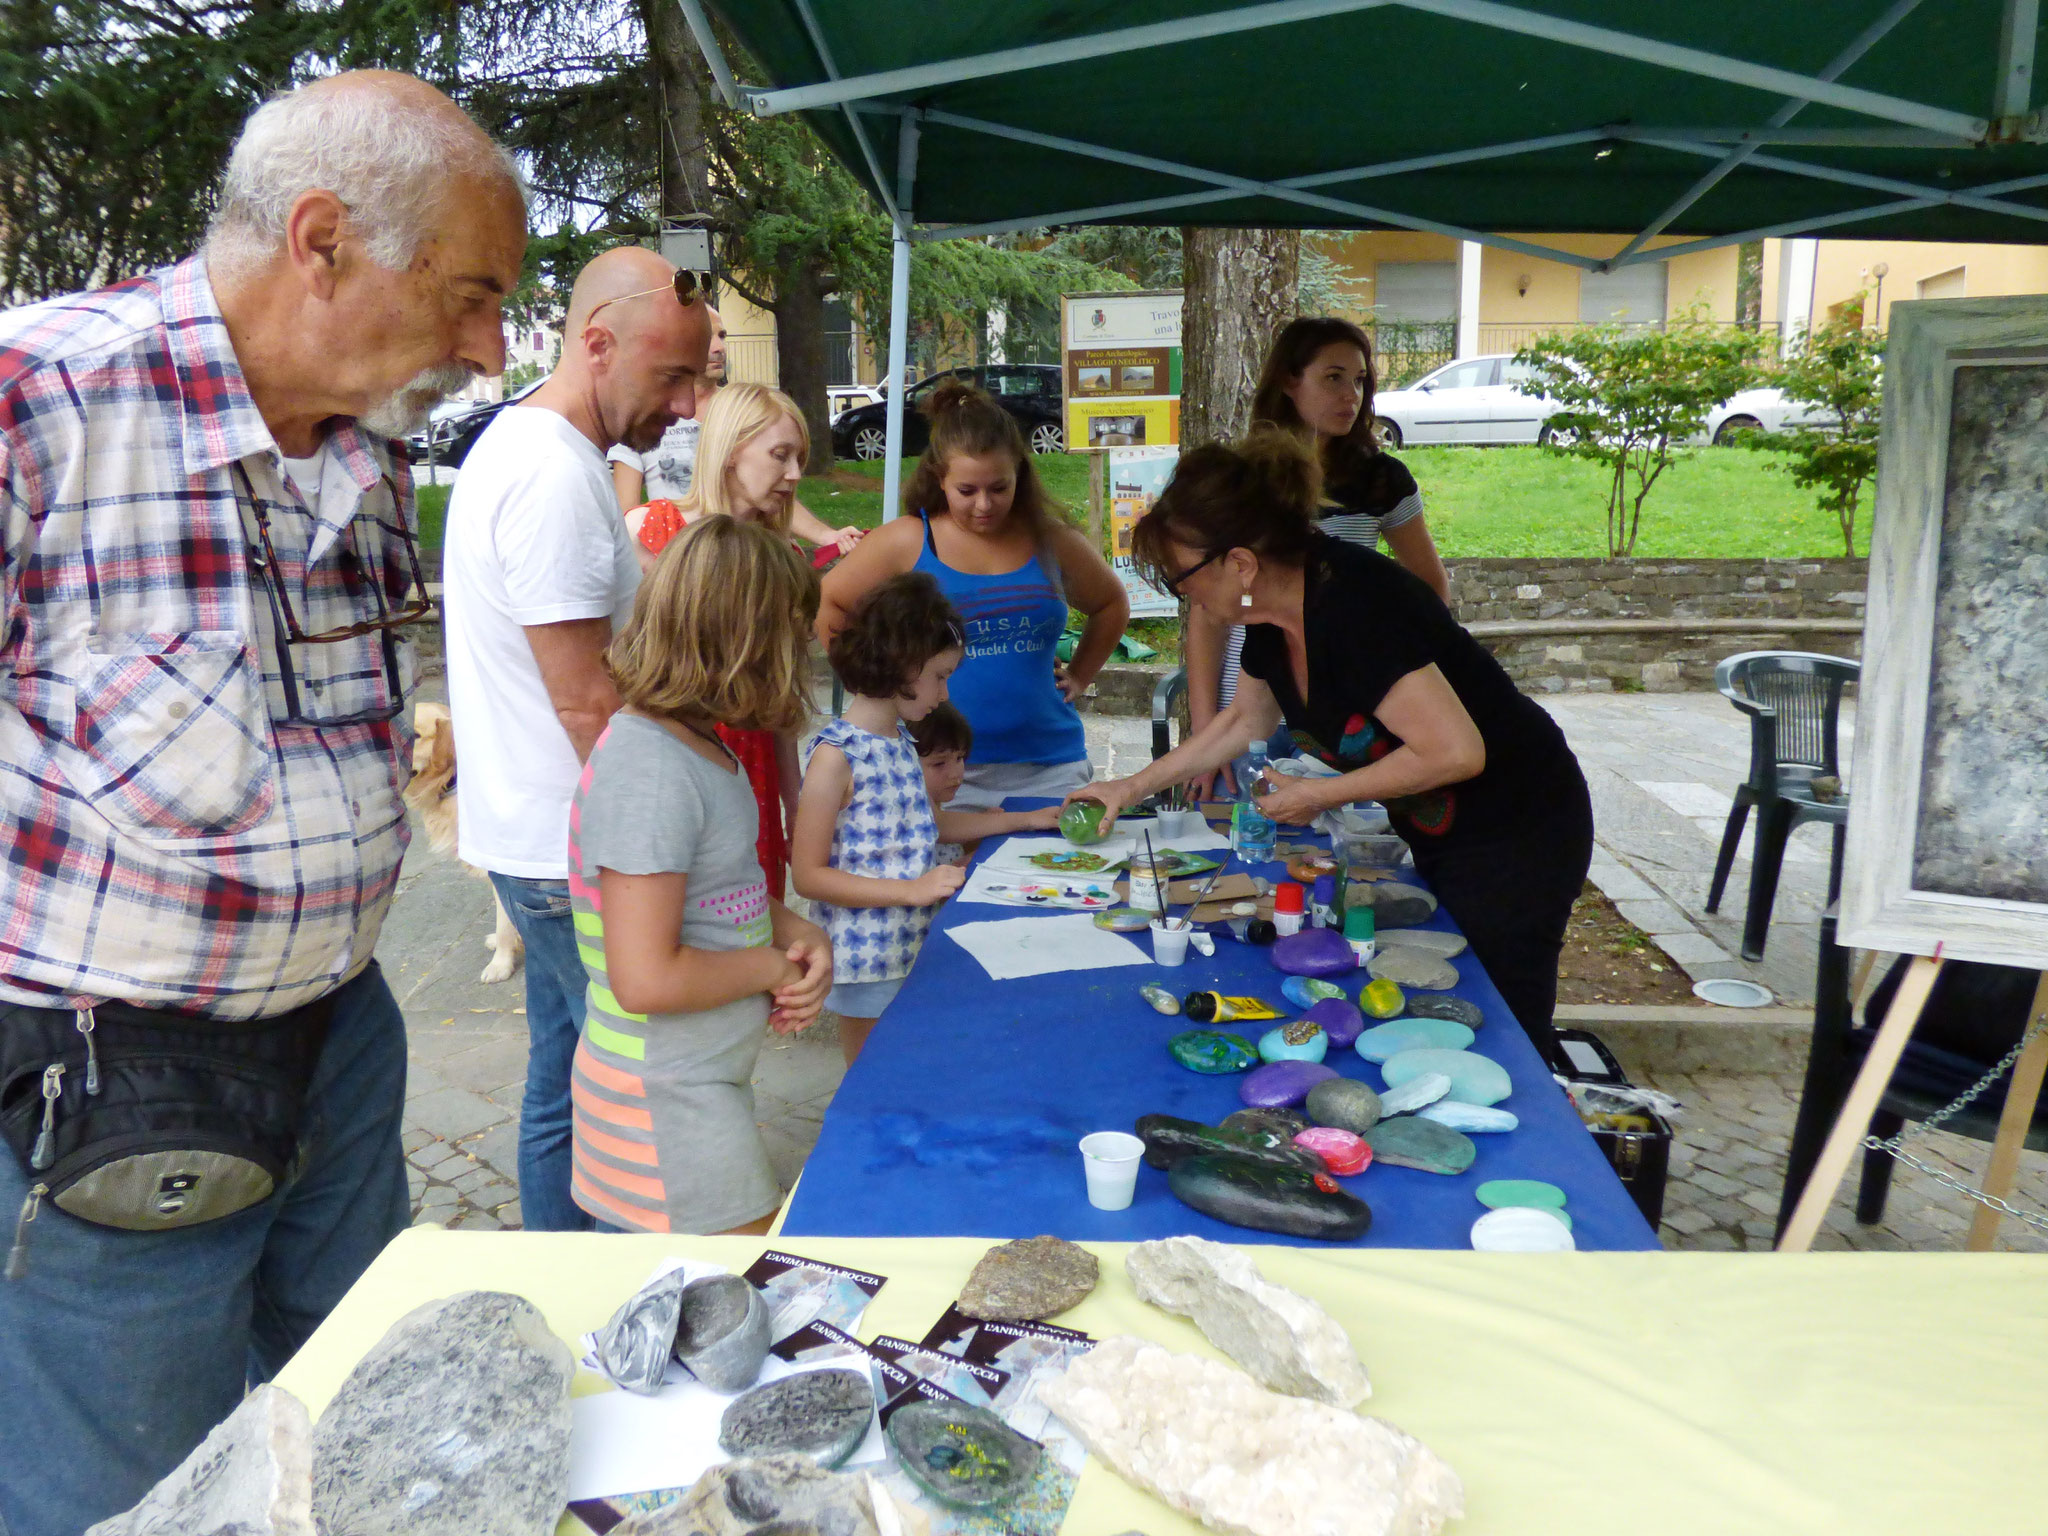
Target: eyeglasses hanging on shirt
[269,574]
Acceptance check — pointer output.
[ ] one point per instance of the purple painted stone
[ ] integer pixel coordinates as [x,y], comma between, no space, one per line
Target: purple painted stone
[1315,952]
[1281,1084]
[1342,1021]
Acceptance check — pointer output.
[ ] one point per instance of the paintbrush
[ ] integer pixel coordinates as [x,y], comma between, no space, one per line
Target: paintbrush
[1157,884]
[1187,918]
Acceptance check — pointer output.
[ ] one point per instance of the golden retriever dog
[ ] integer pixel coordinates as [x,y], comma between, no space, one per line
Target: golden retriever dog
[432,795]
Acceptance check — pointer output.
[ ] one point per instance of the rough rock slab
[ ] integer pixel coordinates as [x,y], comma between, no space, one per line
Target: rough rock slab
[253,1476]
[819,1414]
[722,1333]
[1413,969]
[456,1423]
[1283,1339]
[768,1496]
[1211,1442]
[1028,1279]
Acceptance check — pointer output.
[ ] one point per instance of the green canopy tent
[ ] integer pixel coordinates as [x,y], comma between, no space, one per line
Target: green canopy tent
[1904,119]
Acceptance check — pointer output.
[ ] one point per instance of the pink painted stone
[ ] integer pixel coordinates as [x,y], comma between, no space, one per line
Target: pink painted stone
[1343,1152]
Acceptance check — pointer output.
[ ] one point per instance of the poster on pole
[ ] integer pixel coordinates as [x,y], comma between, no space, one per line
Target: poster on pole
[1136,477]
[1121,356]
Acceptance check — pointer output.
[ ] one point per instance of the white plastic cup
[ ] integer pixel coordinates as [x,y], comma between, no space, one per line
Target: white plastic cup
[1169,945]
[1174,824]
[1110,1159]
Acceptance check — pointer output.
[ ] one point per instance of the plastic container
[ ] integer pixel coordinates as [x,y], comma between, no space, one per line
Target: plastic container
[1169,945]
[1110,1161]
[1252,831]
[1374,850]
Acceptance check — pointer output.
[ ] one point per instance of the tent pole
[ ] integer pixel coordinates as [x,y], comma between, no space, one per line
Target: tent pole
[714,56]
[2022,22]
[860,133]
[899,315]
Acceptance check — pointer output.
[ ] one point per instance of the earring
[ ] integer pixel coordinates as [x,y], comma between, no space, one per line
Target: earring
[1245,601]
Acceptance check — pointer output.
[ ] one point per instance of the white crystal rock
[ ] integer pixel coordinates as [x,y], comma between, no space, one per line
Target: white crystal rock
[253,1476]
[1285,1340]
[1211,1442]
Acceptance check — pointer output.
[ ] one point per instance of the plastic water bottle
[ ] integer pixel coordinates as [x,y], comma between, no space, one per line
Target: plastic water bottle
[1251,829]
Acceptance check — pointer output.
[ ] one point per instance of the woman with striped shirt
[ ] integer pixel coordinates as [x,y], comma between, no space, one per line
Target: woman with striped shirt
[1318,382]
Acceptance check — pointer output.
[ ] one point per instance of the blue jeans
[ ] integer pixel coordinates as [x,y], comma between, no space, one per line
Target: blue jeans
[120,1350]
[555,983]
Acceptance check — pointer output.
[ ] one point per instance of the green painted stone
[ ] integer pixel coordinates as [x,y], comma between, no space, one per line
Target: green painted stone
[1267,1198]
[1212,1051]
[1495,1193]
[1382,999]
[1306,991]
[961,1455]
[1168,1139]
[1385,1041]
[1279,1124]
[1345,1104]
[1406,1142]
[1300,1041]
[1475,1079]
[1081,822]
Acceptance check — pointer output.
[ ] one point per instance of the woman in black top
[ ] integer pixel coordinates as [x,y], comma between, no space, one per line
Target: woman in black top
[1374,677]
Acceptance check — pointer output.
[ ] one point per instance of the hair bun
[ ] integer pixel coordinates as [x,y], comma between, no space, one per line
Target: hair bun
[956,394]
[1284,468]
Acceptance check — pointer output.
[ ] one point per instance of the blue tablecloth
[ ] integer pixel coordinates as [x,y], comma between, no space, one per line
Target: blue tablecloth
[961,1116]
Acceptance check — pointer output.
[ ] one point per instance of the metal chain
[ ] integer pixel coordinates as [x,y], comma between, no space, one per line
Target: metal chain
[1895,1146]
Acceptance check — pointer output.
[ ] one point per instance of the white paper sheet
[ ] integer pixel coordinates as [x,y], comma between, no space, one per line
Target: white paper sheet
[1038,946]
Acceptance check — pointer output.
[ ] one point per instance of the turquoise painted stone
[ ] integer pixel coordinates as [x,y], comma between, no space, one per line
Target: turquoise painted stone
[1499,1192]
[1299,1041]
[1212,1051]
[962,1455]
[1414,1093]
[1472,1119]
[1342,1022]
[1345,1104]
[1475,1079]
[1466,1013]
[1412,1143]
[1383,1042]
[1306,991]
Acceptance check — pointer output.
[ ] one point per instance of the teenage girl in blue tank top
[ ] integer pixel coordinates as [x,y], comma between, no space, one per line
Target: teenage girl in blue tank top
[979,523]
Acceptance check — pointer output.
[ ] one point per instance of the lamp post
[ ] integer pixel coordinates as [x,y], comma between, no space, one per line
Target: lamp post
[1877,303]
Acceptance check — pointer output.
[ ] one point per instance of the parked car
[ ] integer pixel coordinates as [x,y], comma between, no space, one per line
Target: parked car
[1031,392]
[1762,410]
[841,398]
[453,436]
[1473,400]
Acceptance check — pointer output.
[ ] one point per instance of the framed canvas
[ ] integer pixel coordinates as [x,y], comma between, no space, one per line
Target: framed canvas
[1948,832]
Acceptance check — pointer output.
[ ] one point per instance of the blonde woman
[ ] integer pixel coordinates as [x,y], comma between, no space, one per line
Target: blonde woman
[750,456]
[688,956]
[752,444]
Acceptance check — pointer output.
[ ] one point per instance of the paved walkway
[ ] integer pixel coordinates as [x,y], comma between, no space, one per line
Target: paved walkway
[1655,763]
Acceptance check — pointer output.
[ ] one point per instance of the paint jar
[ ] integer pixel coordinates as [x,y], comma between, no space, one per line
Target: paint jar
[1146,892]
[1360,932]
[1322,903]
[1288,907]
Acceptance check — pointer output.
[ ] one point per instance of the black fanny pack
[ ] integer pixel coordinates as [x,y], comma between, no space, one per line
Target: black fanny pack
[146,1120]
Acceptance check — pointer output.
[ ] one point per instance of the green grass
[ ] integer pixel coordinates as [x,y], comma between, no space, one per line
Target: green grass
[431,502]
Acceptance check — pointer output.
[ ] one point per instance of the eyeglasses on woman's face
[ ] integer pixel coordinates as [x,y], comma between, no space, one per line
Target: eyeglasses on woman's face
[1173,583]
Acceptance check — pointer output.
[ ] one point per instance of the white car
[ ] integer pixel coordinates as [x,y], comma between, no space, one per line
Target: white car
[1762,410]
[1474,400]
[844,397]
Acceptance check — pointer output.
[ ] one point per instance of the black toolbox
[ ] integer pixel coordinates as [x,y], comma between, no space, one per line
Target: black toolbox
[1635,1141]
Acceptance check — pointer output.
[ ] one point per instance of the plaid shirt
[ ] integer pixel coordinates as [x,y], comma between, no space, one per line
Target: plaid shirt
[168,842]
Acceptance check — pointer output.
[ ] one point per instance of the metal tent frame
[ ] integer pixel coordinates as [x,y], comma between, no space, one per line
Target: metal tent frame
[1896,123]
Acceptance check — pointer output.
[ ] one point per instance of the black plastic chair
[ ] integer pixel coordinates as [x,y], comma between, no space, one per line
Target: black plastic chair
[1166,697]
[1794,703]
[1973,1016]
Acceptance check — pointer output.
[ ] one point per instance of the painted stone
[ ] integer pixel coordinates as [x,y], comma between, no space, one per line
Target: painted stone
[1267,1198]
[1280,1124]
[1212,1051]
[961,1455]
[1162,1001]
[1522,1229]
[1411,1143]
[1343,1152]
[1385,1041]
[1472,1119]
[820,1414]
[1342,1022]
[722,1335]
[1455,1008]
[1299,1041]
[1081,822]
[1028,1279]
[1382,999]
[1320,952]
[1412,968]
[1395,905]
[1413,1094]
[1432,941]
[1281,1084]
[1306,991]
[1168,1139]
[1498,1193]
[1475,1079]
[1345,1104]
[757,1494]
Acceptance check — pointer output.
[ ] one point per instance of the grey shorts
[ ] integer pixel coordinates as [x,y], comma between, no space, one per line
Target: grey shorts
[987,785]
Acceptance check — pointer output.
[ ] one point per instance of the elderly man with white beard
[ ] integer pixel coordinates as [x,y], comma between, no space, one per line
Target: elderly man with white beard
[209,551]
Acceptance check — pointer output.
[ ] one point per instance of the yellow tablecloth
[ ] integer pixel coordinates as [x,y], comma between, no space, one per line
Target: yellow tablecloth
[1723,1394]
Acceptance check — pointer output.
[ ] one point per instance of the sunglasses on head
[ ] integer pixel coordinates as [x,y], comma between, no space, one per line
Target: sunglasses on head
[687,286]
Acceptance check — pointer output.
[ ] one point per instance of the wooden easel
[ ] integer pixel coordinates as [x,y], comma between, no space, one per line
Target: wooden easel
[2021,1095]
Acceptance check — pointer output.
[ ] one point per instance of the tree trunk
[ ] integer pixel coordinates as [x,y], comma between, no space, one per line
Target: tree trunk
[683,81]
[800,291]
[1241,286]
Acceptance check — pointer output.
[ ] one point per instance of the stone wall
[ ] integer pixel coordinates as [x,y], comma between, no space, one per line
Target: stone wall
[1560,625]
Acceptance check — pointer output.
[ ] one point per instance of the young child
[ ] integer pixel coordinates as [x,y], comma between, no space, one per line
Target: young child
[866,835]
[688,956]
[943,739]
